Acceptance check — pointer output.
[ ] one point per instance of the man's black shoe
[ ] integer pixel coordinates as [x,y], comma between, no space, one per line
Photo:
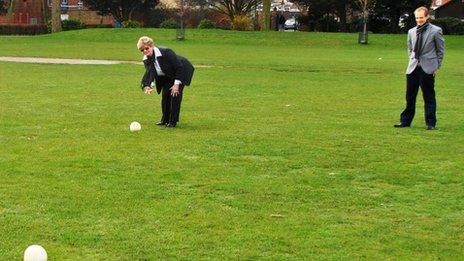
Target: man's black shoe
[161,123]
[430,127]
[401,125]
[171,125]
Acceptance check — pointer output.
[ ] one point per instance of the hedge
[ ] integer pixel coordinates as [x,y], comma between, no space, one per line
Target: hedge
[450,25]
[17,29]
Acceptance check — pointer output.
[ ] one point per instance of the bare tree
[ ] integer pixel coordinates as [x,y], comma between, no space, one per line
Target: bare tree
[233,8]
[365,6]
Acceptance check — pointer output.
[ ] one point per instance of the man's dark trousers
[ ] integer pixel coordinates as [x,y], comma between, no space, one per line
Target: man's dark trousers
[170,105]
[427,84]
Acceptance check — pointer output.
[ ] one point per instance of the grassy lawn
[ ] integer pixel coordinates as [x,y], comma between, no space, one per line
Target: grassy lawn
[285,150]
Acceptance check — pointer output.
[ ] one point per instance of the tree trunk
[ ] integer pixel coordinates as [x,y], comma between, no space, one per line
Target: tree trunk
[327,21]
[10,11]
[365,25]
[394,20]
[343,22]
[365,31]
[56,16]
[267,14]
[342,15]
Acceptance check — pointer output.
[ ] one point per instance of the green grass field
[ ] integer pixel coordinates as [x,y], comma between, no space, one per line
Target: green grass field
[285,150]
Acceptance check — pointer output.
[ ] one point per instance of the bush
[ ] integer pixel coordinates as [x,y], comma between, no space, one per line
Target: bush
[99,26]
[154,17]
[131,24]
[206,24]
[241,23]
[450,25]
[16,29]
[307,23]
[379,25]
[459,29]
[71,24]
[169,24]
[223,23]
[327,23]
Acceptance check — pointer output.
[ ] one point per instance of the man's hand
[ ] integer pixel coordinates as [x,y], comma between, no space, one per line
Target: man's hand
[147,90]
[175,90]
[435,73]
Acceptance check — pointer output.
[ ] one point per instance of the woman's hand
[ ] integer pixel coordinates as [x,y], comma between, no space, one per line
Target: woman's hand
[147,90]
[175,90]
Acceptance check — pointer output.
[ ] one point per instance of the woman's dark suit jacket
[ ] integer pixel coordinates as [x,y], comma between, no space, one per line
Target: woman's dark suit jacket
[175,67]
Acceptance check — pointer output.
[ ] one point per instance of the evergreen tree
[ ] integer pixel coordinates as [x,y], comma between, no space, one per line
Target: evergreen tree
[122,10]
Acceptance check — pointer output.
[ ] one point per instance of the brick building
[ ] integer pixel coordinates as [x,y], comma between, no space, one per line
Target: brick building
[34,12]
[24,12]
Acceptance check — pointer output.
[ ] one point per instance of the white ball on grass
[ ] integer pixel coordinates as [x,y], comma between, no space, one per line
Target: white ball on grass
[35,253]
[135,126]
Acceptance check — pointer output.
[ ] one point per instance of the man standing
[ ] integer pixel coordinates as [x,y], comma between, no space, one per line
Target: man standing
[170,72]
[426,48]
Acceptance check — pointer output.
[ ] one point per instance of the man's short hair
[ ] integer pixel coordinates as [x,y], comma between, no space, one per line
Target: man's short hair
[424,9]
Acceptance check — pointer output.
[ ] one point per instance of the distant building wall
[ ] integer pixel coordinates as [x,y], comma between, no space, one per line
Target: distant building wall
[75,9]
[89,17]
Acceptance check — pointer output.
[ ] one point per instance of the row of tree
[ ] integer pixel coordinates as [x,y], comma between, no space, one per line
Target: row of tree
[123,10]
[387,11]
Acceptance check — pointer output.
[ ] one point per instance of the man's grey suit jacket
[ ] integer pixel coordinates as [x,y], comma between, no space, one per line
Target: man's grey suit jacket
[433,49]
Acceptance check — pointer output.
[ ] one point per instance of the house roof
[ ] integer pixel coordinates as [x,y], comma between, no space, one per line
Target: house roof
[439,3]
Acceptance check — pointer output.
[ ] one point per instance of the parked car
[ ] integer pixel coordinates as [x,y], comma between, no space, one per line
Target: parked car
[291,24]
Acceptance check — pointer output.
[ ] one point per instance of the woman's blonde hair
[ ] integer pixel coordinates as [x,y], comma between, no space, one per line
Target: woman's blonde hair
[144,41]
